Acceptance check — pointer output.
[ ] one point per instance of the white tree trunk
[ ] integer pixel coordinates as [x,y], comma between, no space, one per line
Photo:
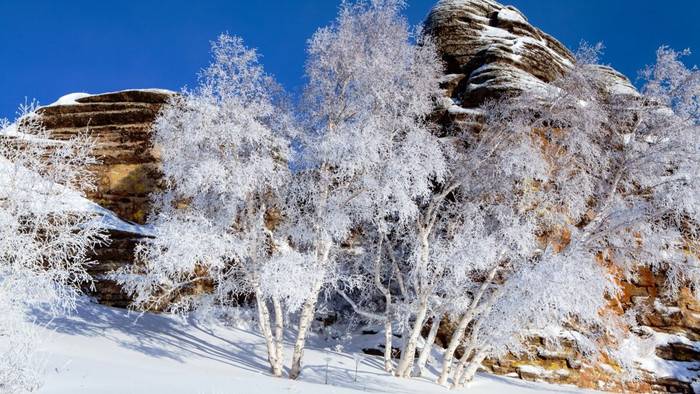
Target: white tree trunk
[455,340]
[459,371]
[462,326]
[471,369]
[408,353]
[308,311]
[307,315]
[279,332]
[388,345]
[425,352]
[264,323]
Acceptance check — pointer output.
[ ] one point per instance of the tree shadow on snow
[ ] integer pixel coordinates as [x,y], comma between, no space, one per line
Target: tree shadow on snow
[158,336]
[340,371]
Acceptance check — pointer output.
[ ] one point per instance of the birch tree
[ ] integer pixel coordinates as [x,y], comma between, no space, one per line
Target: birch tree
[224,153]
[46,236]
[605,155]
[370,154]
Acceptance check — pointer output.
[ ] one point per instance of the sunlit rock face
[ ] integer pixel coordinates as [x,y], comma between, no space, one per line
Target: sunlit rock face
[494,48]
[121,125]
[491,50]
[128,171]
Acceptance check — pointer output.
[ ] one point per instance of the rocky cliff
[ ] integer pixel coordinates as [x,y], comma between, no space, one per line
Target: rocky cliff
[490,50]
[128,172]
[120,123]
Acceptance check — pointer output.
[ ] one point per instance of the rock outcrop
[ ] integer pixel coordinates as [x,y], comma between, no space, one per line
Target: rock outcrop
[120,123]
[491,50]
[128,172]
[494,49]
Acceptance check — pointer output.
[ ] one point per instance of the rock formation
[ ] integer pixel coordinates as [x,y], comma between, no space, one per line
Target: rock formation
[121,124]
[489,50]
[493,49]
[128,171]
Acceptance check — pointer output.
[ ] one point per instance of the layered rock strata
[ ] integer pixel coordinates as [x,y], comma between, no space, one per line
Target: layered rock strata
[128,172]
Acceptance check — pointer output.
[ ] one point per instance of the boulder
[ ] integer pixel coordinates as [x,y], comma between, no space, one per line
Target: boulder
[121,125]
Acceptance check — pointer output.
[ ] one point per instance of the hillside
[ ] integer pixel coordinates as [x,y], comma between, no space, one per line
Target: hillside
[107,350]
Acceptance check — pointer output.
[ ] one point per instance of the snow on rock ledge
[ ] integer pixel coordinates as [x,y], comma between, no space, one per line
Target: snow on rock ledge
[495,47]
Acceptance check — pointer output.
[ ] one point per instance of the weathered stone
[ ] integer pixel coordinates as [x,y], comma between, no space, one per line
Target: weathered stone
[678,352]
[495,47]
[120,124]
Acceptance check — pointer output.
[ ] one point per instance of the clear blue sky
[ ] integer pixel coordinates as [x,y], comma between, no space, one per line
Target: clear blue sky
[49,48]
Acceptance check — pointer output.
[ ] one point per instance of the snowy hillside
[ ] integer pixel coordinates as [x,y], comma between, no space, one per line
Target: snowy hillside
[107,350]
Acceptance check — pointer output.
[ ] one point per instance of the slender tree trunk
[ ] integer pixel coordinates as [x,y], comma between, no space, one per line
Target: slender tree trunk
[264,323]
[455,340]
[305,320]
[408,353]
[279,332]
[388,308]
[471,368]
[425,352]
[420,283]
[388,345]
[469,348]
[462,327]
[459,371]
[308,312]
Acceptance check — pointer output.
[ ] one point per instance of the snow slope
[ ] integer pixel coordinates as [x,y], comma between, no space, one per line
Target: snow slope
[107,350]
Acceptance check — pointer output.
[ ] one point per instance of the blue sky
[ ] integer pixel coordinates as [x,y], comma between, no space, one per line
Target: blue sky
[50,48]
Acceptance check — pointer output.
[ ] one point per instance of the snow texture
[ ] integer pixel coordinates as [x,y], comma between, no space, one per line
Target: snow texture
[106,350]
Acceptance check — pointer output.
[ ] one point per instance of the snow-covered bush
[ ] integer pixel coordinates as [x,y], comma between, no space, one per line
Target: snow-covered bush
[45,236]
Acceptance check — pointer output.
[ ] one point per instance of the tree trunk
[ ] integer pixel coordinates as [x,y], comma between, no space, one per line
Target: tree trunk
[408,353]
[462,327]
[471,368]
[279,332]
[388,332]
[264,323]
[459,371]
[305,320]
[455,340]
[308,311]
[388,344]
[425,352]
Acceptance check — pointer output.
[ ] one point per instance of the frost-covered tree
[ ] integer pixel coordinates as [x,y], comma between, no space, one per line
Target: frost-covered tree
[615,189]
[46,235]
[369,157]
[224,155]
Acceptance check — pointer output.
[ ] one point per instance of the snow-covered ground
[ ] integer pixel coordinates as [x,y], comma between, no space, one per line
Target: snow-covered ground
[108,350]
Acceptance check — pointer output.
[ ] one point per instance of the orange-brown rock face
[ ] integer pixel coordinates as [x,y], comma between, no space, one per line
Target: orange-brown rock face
[121,125]
[492,50]
[128,171]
